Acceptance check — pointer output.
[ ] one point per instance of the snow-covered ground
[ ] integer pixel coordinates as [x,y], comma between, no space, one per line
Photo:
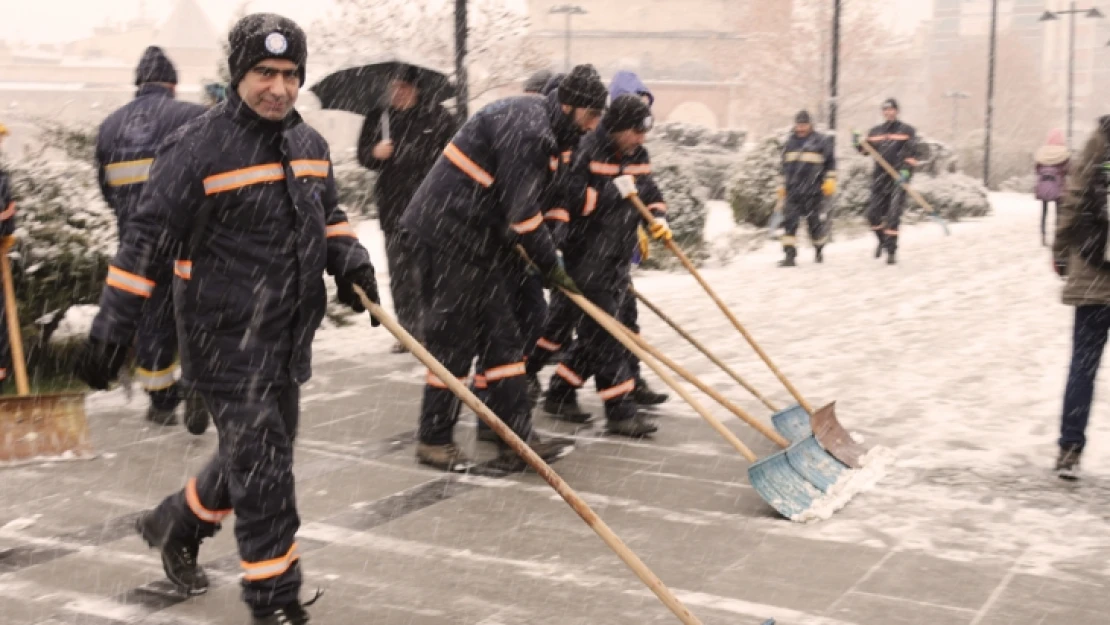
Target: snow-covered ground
[955,359]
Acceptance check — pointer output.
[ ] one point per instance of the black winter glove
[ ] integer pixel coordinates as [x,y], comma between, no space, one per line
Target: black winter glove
[558,278]
[98,363]
[364,278]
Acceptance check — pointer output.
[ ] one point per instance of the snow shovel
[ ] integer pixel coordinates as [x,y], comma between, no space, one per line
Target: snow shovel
[537,464]
[34,426]
[830,424]
[793,422]
[806,456]
[775,478]
[929,210]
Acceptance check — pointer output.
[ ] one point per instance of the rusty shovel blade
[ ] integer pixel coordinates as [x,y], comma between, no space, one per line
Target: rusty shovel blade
[796,425]
[37,426]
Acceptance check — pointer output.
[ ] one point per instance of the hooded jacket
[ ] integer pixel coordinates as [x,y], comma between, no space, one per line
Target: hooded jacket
[1051,170]
[249,210]
[625,82]
[1078,224]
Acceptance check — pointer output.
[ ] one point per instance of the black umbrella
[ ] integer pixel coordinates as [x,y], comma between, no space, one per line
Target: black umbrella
[364,89]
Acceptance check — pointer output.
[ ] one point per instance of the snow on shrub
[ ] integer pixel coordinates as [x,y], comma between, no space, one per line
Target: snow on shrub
[686,210]
[355,184]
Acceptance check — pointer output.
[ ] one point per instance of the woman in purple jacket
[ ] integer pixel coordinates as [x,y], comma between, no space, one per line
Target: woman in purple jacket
[1051,170]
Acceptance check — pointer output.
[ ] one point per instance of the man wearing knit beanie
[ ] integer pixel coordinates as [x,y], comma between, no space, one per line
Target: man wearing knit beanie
[241,203]
[482,200]
[125,148]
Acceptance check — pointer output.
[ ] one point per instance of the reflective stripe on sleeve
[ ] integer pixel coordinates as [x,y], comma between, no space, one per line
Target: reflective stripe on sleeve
[127,172]
[528,225]
[558,214]
[239,178]
[129,282]
[183,269]
[591,201]
[341,229]
[468,167]
[310,168]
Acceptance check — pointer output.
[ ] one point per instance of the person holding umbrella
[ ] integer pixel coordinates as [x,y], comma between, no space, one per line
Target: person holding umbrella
[401,142]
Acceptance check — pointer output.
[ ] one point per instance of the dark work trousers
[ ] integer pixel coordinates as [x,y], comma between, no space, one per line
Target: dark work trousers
[468,312]
[1044,219]
[156,350]
[251,474]
[556,334]
[597,354]
[6,372]
[885,211]
[630,315]
[808,207]
[1088,340]
[404,280]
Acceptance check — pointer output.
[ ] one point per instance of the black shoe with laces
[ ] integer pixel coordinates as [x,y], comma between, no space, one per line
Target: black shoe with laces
[566,409]
[644,396]
[1067,463]
[289,614]
[179,558]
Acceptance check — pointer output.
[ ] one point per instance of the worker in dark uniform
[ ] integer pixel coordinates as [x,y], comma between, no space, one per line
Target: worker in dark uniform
[244,199]
[125,146]
[808,175]
[484,198]
[7,240]
[895,141]
[601,238]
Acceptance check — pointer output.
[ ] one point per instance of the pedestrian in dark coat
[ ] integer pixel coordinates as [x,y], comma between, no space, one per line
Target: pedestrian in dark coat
[125,146]
[243,199]
[401,143]
[1051,170]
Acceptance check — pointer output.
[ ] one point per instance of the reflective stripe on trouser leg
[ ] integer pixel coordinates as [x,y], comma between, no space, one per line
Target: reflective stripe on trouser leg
[558,331]
[607,359]
[156,349]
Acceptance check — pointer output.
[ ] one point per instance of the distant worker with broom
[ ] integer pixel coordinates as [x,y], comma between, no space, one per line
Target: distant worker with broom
[896,142]
[808,176]
[7,239]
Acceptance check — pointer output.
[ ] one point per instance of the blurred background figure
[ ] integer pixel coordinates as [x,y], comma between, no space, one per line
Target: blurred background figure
[1051,169]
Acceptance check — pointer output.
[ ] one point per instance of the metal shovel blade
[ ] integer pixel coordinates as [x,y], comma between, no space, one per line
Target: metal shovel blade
[816,465]
[793,423]
[776,481]
[36,426]
[835,439]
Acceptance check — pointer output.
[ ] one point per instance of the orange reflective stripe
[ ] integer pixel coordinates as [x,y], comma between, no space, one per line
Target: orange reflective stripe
[604,169]
[892,233]
[554,164]
[129,282]
[3,374]
[898,137]
[528,225]
[254,571]
[658,206]
[9,212]
[202,513]
[156,380]
[641,169]
[558,214]
[505,371]
[878,138]
[432,379]
[341,229]
[481,382]
[124,173]
[183,269]
[564,372]
[876,228]
[566,156]
[613,392]
[548,345]
[239,178]
[469,167]
[591,201]
[310,168]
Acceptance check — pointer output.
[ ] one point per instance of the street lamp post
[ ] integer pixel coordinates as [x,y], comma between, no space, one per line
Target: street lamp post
[1051,16]
[990,95]
[569,10]
[956,96]
[833,81]
[462,84]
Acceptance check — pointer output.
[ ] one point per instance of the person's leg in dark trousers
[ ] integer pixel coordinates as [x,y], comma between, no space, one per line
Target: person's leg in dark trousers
[629,315]
[882,187]
[818,226]
[893,220]
[556,334]
[561,400]
[1044,222]
[156,357]
[1088,341]
[5,350]
[404,281]
[791,217]
[252,475]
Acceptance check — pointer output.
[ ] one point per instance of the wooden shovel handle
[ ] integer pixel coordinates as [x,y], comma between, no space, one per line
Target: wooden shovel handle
[615,328]
[11,312]
[538,465]
[703,349]
[646,214]
[873,153]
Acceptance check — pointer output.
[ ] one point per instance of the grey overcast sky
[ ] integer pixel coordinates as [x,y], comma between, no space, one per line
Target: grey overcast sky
[52,21]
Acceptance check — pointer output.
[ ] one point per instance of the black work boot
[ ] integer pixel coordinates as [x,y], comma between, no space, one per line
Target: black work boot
[179,558]
[791,253]
[819,255]
[1067,463]
[549,449]
[882,244]
[637,427]
[161,416]
[644,396]
[566,408]
[891,257]
[449,457]
[196,414]
[289,614]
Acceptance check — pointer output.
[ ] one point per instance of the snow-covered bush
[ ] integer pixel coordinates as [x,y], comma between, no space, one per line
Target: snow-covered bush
[709,154]
[754,181]
[355,184]
[1019,184]
[954,196]
[686,212]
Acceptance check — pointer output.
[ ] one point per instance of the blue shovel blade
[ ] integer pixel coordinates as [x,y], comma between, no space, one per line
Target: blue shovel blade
[816,465]
[793,423]
[776,481]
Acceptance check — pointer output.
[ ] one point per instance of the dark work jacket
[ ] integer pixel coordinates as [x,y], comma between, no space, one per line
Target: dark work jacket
[486,193]
[127,140]
[895,141]
[601,233]
[7,207]
[419,136]
[807,162]
[248,208]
